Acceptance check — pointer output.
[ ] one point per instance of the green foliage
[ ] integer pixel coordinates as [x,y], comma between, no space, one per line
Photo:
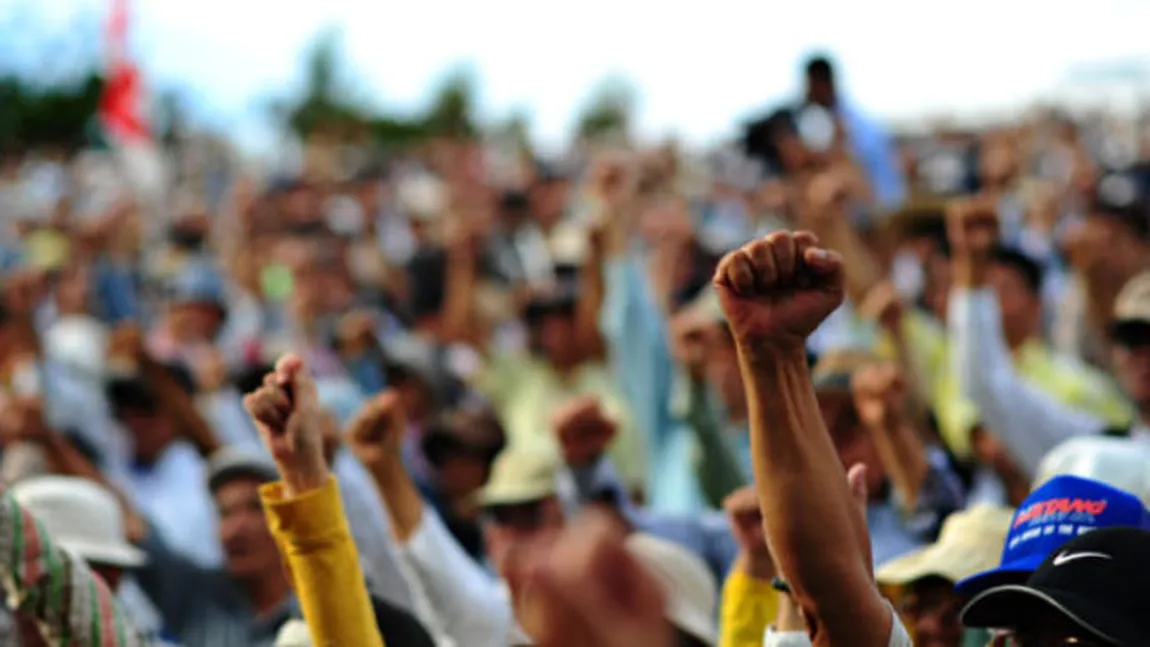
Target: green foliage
[34,116]
[608,112]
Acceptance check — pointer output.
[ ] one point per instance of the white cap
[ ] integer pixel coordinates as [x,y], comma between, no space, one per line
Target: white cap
[81,517]
[294,633]
[686,582]
[422,196]
[1117,462]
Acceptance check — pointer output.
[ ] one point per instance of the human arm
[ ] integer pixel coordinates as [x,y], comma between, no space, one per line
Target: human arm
[775,292]
[305,512]
[1028,422]
[464,597]
[749,602]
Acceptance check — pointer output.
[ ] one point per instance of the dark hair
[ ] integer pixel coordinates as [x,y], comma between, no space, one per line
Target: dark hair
[819,68]
[475,432]
[427,271]
[1026,267]
[399,627]
[130,394]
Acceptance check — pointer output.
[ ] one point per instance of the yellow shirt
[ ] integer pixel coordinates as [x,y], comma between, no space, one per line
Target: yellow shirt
[748,606]
[526,390]
[1074,383]
[315,539]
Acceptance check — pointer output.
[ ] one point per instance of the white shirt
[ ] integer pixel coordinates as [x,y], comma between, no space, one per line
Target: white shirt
[475,607]
[172,494]
[898,635]
[1027,421]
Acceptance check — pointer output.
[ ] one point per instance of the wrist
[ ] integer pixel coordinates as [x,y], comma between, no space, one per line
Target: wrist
[299,480]
[757,352]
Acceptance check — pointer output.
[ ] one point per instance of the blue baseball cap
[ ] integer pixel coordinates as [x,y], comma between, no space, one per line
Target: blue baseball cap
[1062,509]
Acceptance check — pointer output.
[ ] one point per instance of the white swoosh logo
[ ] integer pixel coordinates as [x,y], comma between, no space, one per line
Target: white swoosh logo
[1062,558]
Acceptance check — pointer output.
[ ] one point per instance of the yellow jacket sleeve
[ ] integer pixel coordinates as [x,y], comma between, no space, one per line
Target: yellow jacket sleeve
[315,538]
[748,606]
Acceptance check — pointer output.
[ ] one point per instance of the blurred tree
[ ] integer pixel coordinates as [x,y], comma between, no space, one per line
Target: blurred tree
[452,111]
[609,110]
[33,115]
[322,108]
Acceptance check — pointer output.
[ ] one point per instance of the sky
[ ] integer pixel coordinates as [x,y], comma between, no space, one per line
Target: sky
[698,67]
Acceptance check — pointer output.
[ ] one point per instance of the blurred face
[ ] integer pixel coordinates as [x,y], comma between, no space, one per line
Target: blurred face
[195,321]
[548,200]
[820,91]
[462,472]
[932,610]
[554,337]
[1130,352]
[513,534]
[852,442]
[1021,308]
[249,549]
[151,432]
[936,289]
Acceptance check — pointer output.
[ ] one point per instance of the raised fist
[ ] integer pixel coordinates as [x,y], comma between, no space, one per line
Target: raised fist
[777,290]
[746,521]
[689,343]
[375,435]
[583,430]
[972,227]
[879,393]
[291,424]
[588,590]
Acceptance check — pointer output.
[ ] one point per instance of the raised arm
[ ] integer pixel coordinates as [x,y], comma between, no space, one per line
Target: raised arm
[1027,421]
[305,512]
[775,292]
[468,609]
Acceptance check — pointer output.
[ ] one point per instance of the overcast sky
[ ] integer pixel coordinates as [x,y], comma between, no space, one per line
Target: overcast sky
[698,66]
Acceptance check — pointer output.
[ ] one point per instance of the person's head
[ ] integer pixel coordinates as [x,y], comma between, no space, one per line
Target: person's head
[521,508]
[853,442]
[1113,239]
[924,580]
[1130,340]
[134,405]
[196,303]
[820,81]
[234,479]
[461,447]
[83,518]
[549,196]
[1018,281]
[1091,592]
[1061,509]
[550,319]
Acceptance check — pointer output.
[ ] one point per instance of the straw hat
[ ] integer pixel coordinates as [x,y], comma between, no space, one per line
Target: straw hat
[521,476]
[970,542]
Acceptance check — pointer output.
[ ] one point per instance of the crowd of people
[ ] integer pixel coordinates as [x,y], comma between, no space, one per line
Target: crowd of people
[823,387]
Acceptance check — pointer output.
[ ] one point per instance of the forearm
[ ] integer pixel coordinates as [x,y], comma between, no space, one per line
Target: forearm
[719,470]
[903,455]
[814,532]
[400,497]
[862,272]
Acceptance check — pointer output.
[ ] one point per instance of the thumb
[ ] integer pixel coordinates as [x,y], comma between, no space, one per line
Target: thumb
[823,261]
[856,480]
[292,371]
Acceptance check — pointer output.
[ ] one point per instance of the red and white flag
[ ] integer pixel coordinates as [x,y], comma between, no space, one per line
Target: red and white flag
[124,113]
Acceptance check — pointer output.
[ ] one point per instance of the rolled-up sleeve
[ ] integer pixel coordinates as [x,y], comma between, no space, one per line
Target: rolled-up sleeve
[1027,421]
[468,601]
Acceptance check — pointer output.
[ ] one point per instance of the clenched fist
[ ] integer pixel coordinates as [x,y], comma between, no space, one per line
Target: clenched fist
[777,290]
[376,433]
[972,229]
[879,393]
[583,429]
[291,424]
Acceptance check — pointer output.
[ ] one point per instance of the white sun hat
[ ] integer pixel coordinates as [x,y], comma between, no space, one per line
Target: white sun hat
[82,517]
[686,582]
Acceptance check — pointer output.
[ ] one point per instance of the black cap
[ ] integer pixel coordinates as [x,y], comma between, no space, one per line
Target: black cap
[1097,581]
[1124,195]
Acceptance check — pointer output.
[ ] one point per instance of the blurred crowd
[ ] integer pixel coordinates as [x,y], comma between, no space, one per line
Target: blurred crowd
[457,398]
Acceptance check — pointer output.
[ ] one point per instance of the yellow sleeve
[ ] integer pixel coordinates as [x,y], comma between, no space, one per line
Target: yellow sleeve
[315,538]
[748,606]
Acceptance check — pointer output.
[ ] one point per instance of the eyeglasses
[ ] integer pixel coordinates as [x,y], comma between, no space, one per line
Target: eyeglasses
[1041,638]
